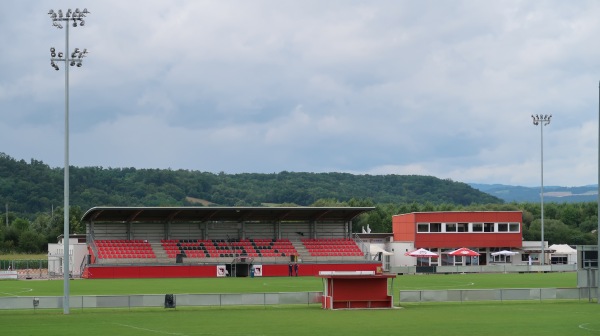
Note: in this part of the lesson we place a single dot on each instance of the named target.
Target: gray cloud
(387, 87)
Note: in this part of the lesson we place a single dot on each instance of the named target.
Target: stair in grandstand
(303, 254)
(161, 255)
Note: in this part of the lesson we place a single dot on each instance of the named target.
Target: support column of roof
(348, 233)
(168, 221)
(167, 230)
(128, 230)
(204, 230)
(89, 231)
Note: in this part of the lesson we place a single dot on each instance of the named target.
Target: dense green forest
(32, 195)
(29, 188)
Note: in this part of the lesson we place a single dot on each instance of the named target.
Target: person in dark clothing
(296, 268)
(290, 269)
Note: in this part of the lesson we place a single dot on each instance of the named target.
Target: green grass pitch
(277, 284)
(497, 318)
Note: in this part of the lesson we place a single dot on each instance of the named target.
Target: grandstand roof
(233, 214)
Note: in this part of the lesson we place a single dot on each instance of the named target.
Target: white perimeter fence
(498, 268)
(513, 294)
(295, 298)
(160, 300)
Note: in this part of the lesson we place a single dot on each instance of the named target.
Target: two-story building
(485, 232)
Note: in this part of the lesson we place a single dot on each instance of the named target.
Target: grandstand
(197, 241)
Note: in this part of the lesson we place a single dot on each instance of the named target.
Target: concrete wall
(210, 271)
(131, 301)
(513, 294)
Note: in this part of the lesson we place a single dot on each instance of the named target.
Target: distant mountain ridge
(509, 193)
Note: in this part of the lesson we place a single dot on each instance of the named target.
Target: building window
(502, 259)
(422, 227)
(559, 259)
(590, 259)
(468, 227)
(433, 261)
(447, 260)
(423, 261)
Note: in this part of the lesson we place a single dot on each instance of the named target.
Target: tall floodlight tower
(542, 120)
(74, 58)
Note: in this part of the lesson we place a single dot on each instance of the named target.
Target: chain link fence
(27, 269)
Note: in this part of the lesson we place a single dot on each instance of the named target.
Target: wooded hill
(32, 187)
(33, 193)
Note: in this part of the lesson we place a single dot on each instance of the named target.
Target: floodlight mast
(598, 228)
(542, 120)
(76, 59)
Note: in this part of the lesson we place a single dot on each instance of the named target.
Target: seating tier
(332, 247)
(215, 248)
(121, 249)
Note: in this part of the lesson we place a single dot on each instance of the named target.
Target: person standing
(296, 268)
(290, 269)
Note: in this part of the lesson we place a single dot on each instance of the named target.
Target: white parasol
(504, 252)
(422, 253)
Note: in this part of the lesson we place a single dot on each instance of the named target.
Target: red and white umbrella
(422, 253)
(463, 251)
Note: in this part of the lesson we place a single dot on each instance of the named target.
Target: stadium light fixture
(542, 120)
(76, 59)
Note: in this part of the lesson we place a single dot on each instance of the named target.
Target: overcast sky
(441, 88)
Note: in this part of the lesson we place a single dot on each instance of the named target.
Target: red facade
(210, 271)
(405, 229)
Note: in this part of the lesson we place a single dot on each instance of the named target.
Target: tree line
(33, 217)
(32, 187)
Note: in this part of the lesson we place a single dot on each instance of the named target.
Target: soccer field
(441, 319)
(278, 284)
(497, 318)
